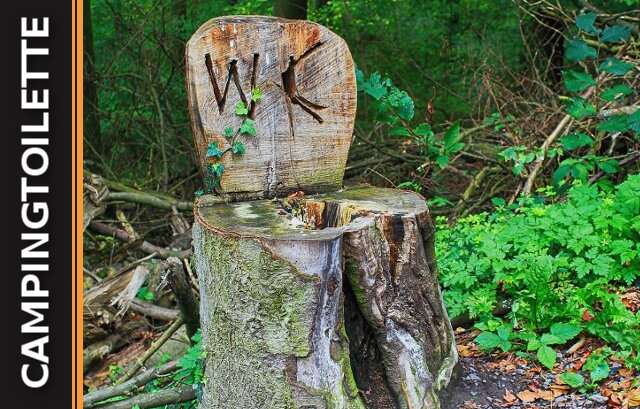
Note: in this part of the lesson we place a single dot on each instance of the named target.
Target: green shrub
(562, 262)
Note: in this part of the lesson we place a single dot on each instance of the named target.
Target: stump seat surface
(265, 219)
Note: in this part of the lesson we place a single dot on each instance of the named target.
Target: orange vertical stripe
(77, 209)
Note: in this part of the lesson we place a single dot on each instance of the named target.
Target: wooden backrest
(304, 120)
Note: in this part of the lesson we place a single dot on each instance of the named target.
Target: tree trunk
(295, 9)
(329, 301)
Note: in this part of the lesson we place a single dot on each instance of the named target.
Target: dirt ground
(481, 384)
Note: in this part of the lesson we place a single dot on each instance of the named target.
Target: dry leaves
(633, 398)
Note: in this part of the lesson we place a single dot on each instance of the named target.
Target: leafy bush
(560, 266)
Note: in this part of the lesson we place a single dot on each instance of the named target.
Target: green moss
(353, 275)
(255, 309)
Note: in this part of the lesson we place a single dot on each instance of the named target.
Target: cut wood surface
(327, 301)
(305, 119)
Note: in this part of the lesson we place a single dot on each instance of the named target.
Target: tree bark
(330, 301)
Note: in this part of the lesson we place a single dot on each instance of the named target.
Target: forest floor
(505, 380)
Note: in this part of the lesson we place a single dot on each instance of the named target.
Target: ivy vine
(215, 170)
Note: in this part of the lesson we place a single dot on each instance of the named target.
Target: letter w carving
(232, 73)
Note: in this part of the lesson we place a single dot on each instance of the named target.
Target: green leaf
(576, 81)
(238, 148)
(600, 372)
(575, 141)
(580, 172)
(580, 109)
(586, 21)
(504, 332)
(241, 109)
(615, 123)
(488, 340)
(452, 139)
(577, 50)
(546, 356)
(216, 169)
(614, 66)
(609, 166)
(572, 379)
(423, 129)
(213, 151)
(256, 94)
(442, 161)
(565, 332)
(374, 86)
(561, 173)
(403, 103)
(615, 33)
(550, 339)
(228, 132)
(248, 127)
(615, 92)
(534, 344)
(399, 131)
(145, 294)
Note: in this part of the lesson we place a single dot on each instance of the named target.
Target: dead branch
(91, 400)
(156, 399)
(100, 349)
(187, 303)
(123, 299)
(145, 246)
(153, 311)
(154, 347)
(149, 199)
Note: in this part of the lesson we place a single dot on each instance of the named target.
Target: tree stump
(328, 301)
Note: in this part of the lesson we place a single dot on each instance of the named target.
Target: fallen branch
(153, 311)
(101, 349)
(124, 298)
(145, 246)
(184, 295)
(91, 400)
(155, 399)
(148, 199)
(152, 350)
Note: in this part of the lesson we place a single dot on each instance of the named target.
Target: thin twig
(91, 399)
(152, 350)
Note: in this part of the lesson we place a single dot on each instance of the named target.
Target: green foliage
(145, 294)
(572, 379)
(395, 109)
(191, 364)
(552, 263)
(600, 77)
(247, 128)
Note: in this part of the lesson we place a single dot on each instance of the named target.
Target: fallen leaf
(633, 398)
(625, 372)
(527, 396)
(546, 395)
(509, 397)
(559, 390)
(586, 316)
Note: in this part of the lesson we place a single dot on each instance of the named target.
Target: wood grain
(304, 121)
